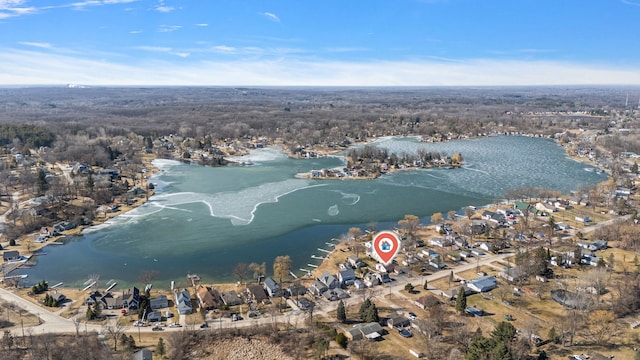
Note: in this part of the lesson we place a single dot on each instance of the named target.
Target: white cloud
(36, 44)
(81, 5)
(22, 67)
(271, 16)
(161, 7)
(11, 8)
(168, 28)
(153, 48)
(632, 3)
(224, 49)
(180, 54)
(136, 32)
(202, 25)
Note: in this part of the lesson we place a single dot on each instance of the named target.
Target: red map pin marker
(386, 245)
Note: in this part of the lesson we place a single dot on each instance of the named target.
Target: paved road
(54, 323)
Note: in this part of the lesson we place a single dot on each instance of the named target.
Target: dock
(56, 285)
(111, 286)
(89, 286)
(317, 257)
(314, 266)
(292, 274)
(325, 250)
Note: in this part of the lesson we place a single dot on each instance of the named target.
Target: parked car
(412, 316)
(157, 328)
(175, 325)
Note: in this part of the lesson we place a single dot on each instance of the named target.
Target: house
(131, 298)
(494, 217)
(57, 297)
(154, 316)
(512, 274)
(477, 252)
(304, 303)
(359, 284)
(427, 302)
(355, 262)
(478, 227)
(318, 288)
(208, 298)
(398, 321)
(109, 301)
(143, 354)
(486, 246)
(13, 255)
(335, 294)
(256, 293)
(183, 302)
(93, 297)
(593, 246)
(441, 242)
(159, 302)
(346, 277)
(483, 284)
(272, 287)
(545, 207)
(370, 331)
(465, 255)
(329, 280)
(371, 279)
(231, 298)
(296, 290)
(452, 293)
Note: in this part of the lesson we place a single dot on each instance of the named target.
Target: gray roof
(483, 284)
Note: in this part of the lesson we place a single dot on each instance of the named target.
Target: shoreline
(37, 248)
(152, 170)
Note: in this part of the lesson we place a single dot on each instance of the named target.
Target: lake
(204, 220)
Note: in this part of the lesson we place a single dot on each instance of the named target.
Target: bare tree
(241, 270)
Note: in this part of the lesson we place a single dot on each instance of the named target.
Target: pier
(325, 250)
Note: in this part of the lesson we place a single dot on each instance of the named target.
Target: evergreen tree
(97, 310)
(504, 332)
(461, 301)
(341, 313)
(409, 288)
(341, 339)
(160, 347)
(426, 285)
(363, 308)
(42, 182)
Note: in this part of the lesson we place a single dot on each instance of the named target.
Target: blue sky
(328, 42)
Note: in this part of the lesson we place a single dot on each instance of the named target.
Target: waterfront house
(272, 287)
(346, 277)
(183, 302)
(208, 298)
(483, 284)
(13, 255)
(108, 301)
(131, 298)
(231, 298)
(256, 293)
(159, 302)
(93, 297)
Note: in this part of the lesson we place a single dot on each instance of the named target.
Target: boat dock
(324, 250)
(314, 266)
